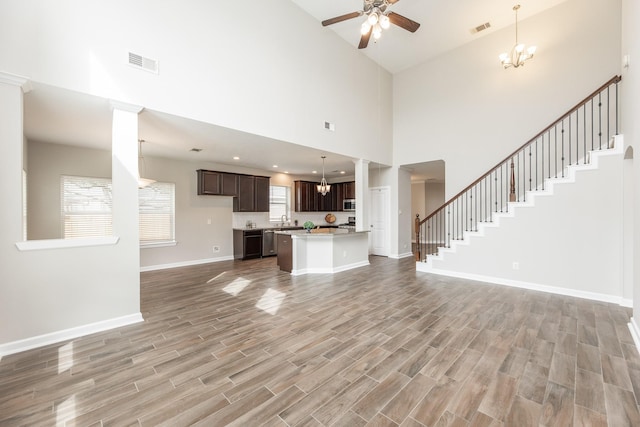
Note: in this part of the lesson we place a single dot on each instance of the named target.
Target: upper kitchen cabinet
(250, 193)
(217, 183)
(349, 190)
(307, 198)
(253, 194)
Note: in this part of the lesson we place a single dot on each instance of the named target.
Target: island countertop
(322, 232)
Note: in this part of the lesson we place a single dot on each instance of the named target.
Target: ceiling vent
(196, 150)
(143, 63)
(480, 28)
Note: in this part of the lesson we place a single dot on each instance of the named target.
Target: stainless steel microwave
(349, 205)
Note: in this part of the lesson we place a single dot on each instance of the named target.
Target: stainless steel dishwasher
(269, 243)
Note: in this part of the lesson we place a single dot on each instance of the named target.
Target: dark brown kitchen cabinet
(349, 190)
(246, 200)
(217, 183)
(262, 194)
(285, 252)
(250, 193)
(307, 198)
(209, 182)
(253, 194)
(229, 184)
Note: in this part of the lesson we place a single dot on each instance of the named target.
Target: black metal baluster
(600, 121)
(562, 147)
(584, 134)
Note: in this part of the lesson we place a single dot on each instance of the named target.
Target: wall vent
(330, 126)
(480, 28)
(143, 63)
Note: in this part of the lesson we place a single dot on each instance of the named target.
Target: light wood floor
(241, 343)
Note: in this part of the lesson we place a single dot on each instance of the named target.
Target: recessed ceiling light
(286, 171)
(236, 158)
(275, 166)
(342, 172)
(314, 171)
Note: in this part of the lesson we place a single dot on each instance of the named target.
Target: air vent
(329, 126)
(197, 150)
(480, 28)
(143, 63)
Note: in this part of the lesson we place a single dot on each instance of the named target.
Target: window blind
(157, 213)
(279, 202)
(86, 207)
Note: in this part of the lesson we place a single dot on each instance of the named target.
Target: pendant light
(323, 187)
(142, 182)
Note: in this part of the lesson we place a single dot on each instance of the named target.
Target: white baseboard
(329, 270)
(400, 256)
(635, 332)
(67, 334)
(421, 266)
(185, 263)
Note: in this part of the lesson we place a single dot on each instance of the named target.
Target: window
(279, 202)
(86, 209)
(157, 213)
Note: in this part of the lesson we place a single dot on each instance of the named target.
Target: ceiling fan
(378, 18)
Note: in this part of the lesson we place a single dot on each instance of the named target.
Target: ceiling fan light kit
(378, 18)
(519, 53)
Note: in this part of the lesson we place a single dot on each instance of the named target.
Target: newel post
(417, 231)
(512, 187)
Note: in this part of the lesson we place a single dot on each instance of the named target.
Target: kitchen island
(322, 251)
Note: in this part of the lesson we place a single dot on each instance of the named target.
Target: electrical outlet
(516, 265)
(216, 249)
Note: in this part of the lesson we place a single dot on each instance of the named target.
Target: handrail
(615, 79)
(565, 142)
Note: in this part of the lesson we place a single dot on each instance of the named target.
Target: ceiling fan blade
(341, 18)
(403, 22)
(364, 40)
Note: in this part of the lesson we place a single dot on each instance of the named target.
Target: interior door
(379, 217)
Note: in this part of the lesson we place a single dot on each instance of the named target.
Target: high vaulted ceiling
(444, 25)
(52, 114)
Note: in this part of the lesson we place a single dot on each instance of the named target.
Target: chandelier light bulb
(384, 22)
(365, 28)
(373, 19)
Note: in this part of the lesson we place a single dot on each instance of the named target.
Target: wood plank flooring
(241, 343)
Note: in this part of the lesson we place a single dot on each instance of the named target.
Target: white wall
(570, 241)
(48, 293)
(631, 128)
(46, 163)
(463, 108)
(262, 67)
(418, 199)
(434, 196)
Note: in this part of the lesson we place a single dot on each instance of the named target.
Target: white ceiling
(444, 25)
(60, 116)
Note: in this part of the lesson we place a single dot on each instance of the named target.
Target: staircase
(571, 243)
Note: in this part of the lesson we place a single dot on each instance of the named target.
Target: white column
(124, 152)
(12, 159)
(362, 194)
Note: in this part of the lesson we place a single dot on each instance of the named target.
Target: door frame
(387, 222)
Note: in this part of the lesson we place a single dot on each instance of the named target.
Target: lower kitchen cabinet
(285, 252)
(247, 244)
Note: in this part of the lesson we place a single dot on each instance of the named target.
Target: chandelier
(519, 54)
(323, 187)
(377, 18)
